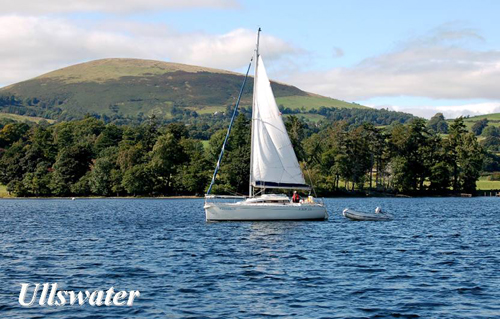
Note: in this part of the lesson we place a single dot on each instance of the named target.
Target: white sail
(274, 164)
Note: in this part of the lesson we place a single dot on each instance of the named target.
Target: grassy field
(314, 102)
(484, 184)
(21, 118)
(207, 109)
(3, 191)
(206, 144)
(312, 117)
(494, 120)
(469, 124)
(113, 69)
(492, 117)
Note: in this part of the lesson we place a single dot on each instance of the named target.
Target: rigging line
(272, 125)
(233, 192)
(217, 167)
(277, 129)
(310, 180)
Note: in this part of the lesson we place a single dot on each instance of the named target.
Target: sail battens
(264, 184)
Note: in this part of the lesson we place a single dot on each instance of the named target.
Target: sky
(420, 57)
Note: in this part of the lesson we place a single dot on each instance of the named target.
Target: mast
(250, 192)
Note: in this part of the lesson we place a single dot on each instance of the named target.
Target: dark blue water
(440, 257)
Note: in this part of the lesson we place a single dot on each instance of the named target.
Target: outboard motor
(378, 210)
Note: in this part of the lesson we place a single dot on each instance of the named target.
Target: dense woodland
(90, 157)
(202, 125)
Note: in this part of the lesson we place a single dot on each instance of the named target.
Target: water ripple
(440, 257)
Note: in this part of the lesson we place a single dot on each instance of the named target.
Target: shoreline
(103, 197)
(201, 197)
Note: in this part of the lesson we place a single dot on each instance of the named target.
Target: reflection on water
(438, 257)
(272, 231)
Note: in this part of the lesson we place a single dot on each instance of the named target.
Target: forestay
(274, 164)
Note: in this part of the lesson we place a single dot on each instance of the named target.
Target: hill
(22, 118)
(133, 88)
(493, 119)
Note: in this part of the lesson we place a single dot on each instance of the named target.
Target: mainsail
(273, 164)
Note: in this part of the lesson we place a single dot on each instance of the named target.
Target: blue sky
(415, 56)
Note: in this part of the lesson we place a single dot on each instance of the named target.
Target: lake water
(440, 257)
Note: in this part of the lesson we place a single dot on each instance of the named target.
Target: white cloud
(107, 6)
(35, 45)
(449, 111)
(438, 66)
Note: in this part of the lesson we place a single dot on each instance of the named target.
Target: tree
(464, 155)
(313, 148)
(178, 130)
(100, 176)
(130, 155)
(37, 182)
(334, 161)
(109, 137)
(479, 126)
(440, 177)
(438, 124)
(10, 170)
(491, 143)
(491, 162)
(470, 160)
(166, 157)
(43, 139)
(12, 132)
(215, 145)
(90, 157)
(359, 155)
(117, 182)
(454, 139)
(71, 164)
(295, 129)
(235, 167)
(82, 186)
(491, 131)
(193, 176)
(377, 147)
(412, 147)
(63, 135)
(137, 181)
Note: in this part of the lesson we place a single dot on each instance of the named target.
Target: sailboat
(273, 165)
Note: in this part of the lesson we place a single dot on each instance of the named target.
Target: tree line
(89, 157)
(409, 158)
(202, 125)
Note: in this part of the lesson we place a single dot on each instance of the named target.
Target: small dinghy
(378, 215)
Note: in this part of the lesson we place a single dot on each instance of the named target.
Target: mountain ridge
(133, 88)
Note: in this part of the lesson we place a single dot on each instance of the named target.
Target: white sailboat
(273, 165)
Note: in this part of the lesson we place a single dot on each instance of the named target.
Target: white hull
(243, 212)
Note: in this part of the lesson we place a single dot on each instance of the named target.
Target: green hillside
(22, 118)
(491, 117)
(132, 88)
(312, 101)
(493, 120)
